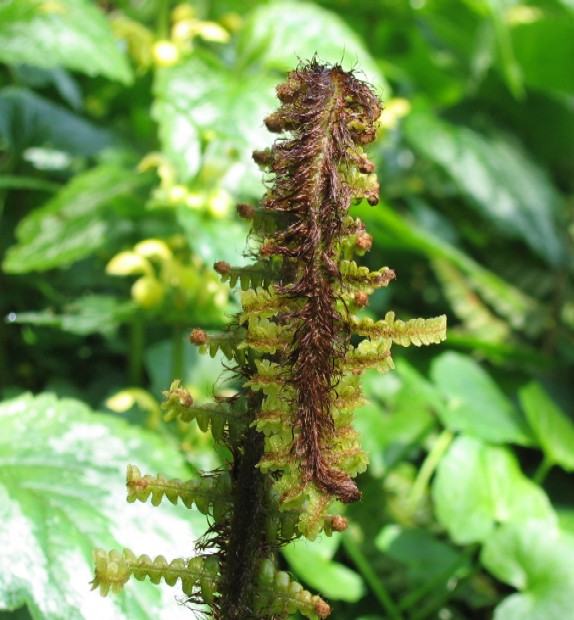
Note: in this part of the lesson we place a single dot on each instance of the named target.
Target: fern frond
(278, 595)
(370, 354)
(262, 273)
(265, 336)
(211, 494)
(228, 342)
(113, 570)
(416, 331)
(264, 303)
(215, 416)
(360, 278)
(269, 378)
(475, 315)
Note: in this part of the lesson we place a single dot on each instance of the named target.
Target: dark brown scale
(328, 113)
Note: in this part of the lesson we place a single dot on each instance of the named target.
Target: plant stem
(177, 351)
(243, 551)
(375, 584)
(428, 467)
(542, 471)
(162, 20)
(137, 345)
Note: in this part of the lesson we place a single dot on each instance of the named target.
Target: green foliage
(466, 509)
(60, 464)
(77, 222)
(478, 486)
(64, 33)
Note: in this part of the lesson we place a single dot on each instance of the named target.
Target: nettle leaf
(79, 220)
(66, 33)
(553, 429)
(217, 241)
(504, 184)
(210, 114)
(474, 404)
(29, 120)
(478, 486)
(536, 560)
(62, 493)
(313, 563)
(278, 36)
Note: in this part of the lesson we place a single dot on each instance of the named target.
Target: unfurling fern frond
(297, 349)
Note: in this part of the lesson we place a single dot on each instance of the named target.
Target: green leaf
(394, 231)
(424, 556)
(536, 560)
(478, 486)
(79, 220)
(9, 181)
(511, 68)
(279, 37)
(541, 46)
(67, 33)
(212, 115)
(473, 402)
(497, 176)
(62, 493)
(398, 416)
(313, 564)
(27, 119)
(219, 239)
(87, 315)
(552, 428)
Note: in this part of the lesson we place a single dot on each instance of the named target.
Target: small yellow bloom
(165, 53)
(128, 263)
(177, 194)
(153, 248)
(210, 31)
(148, 292)
(182, 12)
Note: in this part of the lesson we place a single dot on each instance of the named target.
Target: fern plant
(299, 350)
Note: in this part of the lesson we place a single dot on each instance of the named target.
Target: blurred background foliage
(126, 128)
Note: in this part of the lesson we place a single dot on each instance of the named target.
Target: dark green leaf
(394, 231)
(68, 33)
(473, 402)
(552, 428)
(478, 486)
(500, 180)
(536, 559)
(424, 556)
(389, 433)
(87, 315)
(76, 222)
(27, 183)
(542, 47)
(62, 493)
(27, 120)
(40, 77)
